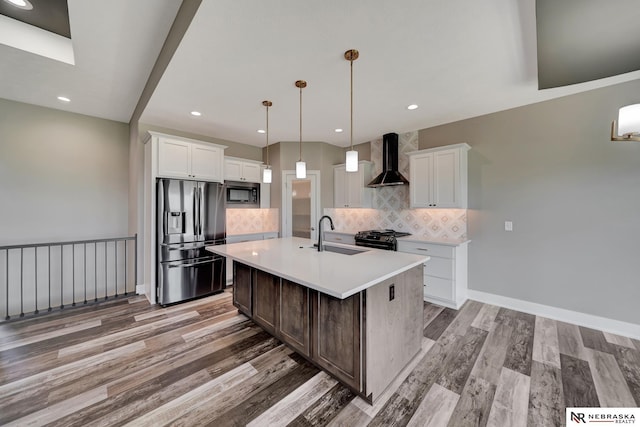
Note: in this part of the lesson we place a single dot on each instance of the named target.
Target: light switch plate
(508, 226)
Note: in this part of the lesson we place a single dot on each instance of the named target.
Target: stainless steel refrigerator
(190, 216)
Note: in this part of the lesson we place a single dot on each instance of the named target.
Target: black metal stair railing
(40, 276)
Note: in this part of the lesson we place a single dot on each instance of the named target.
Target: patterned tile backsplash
(249, 221)
(391, 205)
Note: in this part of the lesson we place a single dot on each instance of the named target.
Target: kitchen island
(356, 314)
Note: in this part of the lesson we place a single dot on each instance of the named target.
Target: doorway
(300, 204)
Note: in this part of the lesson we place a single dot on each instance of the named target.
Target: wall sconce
(627, 127)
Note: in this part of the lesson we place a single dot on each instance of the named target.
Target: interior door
(301, 204)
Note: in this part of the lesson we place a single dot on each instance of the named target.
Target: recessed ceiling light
(63, 99)
(22, 4)
(262, 131)
(412, 107)
(196, 113)
(338, 130)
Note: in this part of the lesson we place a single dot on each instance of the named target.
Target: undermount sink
(339, 249)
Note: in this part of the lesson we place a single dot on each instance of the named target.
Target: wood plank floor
(125, 362)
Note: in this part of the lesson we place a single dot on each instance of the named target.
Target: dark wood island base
(364, 340)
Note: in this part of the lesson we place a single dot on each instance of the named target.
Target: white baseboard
(141, 289)
(581, 319)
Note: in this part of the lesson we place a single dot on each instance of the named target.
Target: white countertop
(335, 274)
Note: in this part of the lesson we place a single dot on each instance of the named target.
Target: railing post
(135, 266)
(21, 282)
(61, 277)
(115, 245)
(95, 270)
(35, 268)
(49, 282)
(126, 260)
(84, 270)
(105, 271)
(7, 317)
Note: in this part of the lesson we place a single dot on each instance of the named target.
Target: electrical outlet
(392, 292)
(508, 226)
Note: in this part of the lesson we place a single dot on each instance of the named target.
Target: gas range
(381, 239)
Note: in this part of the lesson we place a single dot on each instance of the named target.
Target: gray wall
(63, 176)
(573, 197)
(318, 156)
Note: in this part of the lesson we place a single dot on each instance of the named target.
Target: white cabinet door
(446, 179)
(182, 159)
(206, 162)
(232, 170)
(438, 177)
(349, 188)
(421, 180)
(445, 274)
(251, 172)
(238, 170)
(174, 158)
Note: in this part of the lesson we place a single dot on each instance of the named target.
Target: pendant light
(352, 155)
(266, 172)
(301, 167)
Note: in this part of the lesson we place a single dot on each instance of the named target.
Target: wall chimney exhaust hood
(390, 174)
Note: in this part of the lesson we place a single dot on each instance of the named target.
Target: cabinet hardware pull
(422, 249)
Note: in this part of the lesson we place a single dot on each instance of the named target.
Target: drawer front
(439, 267)
(419, 248)
(438, 288)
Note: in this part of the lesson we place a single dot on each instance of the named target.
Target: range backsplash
(391, 205)
(250, 221)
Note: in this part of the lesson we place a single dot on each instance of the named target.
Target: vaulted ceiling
(454, 59)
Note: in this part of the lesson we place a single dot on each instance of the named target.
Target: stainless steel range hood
(390, 174)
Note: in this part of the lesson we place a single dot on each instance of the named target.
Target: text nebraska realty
(612, 418)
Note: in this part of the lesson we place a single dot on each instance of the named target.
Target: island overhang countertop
(335, 274)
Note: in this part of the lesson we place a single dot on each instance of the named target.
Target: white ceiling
(456, 59)
(115, 45)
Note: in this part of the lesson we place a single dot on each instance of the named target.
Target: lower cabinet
(337, 337)
(445, 274)
(294, 317)
(266, 300)
(365, 350)
(242, 290)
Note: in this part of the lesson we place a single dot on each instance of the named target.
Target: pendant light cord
(267, 134)
(351, 137)
(300, 123)
(267, 104)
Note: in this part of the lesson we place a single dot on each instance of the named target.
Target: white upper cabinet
(350, 188)
(438, 177)
(178, 158)
(242, 170)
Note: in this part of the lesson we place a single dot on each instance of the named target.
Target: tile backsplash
(249, 221)
(429, 224)
(391, 205)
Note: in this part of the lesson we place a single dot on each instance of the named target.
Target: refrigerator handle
(197, 213)
(194, 211)
(200, 208)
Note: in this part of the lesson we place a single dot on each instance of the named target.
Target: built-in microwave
(242, 194)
